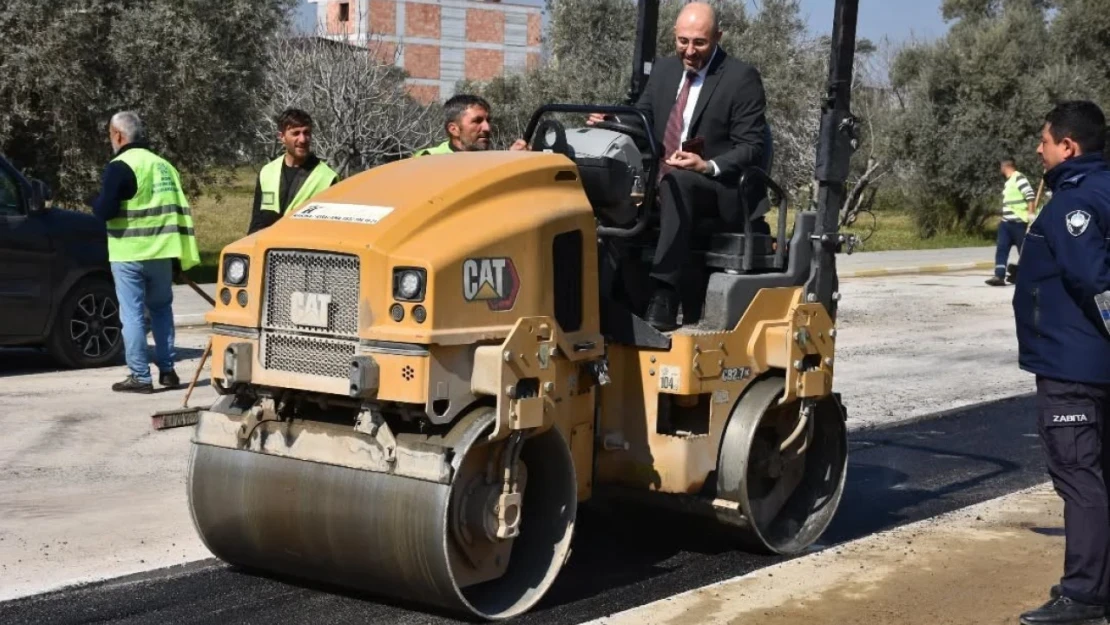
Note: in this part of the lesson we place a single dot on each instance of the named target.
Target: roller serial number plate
(309, 309)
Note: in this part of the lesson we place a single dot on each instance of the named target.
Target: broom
(185, 416)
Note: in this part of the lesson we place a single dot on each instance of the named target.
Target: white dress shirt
(692, 102)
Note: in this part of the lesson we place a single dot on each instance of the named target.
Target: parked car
(56, 288)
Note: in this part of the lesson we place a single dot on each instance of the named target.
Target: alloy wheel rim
(94, 325)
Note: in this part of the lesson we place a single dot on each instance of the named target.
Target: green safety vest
(156, 223)
(269, 179)
(1014, 205)
(443, 148)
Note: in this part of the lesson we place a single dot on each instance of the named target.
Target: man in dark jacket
(1065, 265)
(707, 111)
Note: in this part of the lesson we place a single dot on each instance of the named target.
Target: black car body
(56, 288)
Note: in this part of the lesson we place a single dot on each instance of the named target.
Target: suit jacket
(729, 113)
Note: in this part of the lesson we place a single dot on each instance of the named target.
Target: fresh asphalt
(620, 559)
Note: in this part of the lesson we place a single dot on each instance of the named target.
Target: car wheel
(87, 328)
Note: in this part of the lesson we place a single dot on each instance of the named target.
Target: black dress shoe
(662, 312)
(1062, 610)
(169, 379)
(131, 385)
(996, 281)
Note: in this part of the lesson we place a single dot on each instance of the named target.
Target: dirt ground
(88, 491)
(978, 566)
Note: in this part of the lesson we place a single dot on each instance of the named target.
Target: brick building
(439, 42)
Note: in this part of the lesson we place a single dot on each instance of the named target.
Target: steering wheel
(559, 145)
(635, 132)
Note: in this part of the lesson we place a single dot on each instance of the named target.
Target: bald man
(704, 95)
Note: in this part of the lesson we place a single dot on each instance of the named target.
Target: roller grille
(337, 275)
(308, 355)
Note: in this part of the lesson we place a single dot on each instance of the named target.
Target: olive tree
(191, 68)
(362, 113)
(975, 96)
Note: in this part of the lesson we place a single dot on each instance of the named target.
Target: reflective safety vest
(320, 178)
(1015, 205)
(443, 148)
(156, 223)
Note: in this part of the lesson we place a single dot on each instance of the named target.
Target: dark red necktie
(673, 134)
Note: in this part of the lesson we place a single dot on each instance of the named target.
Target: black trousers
(686, 196)
(1071, 422)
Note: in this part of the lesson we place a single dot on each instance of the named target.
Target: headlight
(235, 270)
(408, 284)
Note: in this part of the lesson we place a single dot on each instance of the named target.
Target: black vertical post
(836, 143)
(647, 28)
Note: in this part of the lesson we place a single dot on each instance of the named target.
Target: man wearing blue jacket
(1062, 339)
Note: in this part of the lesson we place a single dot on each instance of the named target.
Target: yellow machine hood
(479, 225)
(387, 208)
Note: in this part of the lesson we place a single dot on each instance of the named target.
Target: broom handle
(193, 285)
(200, 291)
(196, 375)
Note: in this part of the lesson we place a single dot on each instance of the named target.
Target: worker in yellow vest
(291, 179)
(150, 230)
(1018, 198)
(468, 124)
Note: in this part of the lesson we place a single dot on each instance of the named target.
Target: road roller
(424, 370)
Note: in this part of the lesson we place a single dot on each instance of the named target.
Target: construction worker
(466, 120)
(291, 179)
(1018, 201)
(150, 235)
(1064, 342)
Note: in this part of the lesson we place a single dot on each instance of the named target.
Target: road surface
(89, 492)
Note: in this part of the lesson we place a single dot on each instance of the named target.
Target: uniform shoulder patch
(1078, 222)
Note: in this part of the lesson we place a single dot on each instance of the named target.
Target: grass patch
(221, 216)
(895, 230)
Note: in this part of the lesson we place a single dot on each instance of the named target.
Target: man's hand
(595, 118)
(688, 161)
(519, 145)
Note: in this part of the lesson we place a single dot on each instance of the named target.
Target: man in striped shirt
(1018, 198)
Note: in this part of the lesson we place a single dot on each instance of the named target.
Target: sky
(918, 19)
(913, 19)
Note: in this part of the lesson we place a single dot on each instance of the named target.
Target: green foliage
(190, 68)
(981, 93)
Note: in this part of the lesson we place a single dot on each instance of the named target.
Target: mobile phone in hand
(694, 146)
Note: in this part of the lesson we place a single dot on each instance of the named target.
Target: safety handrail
(780, 249)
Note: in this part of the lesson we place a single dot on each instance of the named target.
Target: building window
(344, 12)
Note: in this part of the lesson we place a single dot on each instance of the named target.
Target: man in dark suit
(702, 96)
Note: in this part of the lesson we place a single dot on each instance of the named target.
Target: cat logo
(492, 280)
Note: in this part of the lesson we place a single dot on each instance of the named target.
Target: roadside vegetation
(208, 78)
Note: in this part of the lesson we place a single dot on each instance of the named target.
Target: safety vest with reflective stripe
(156, 222)
(1016, 196)
(443, 148)
(321, 177)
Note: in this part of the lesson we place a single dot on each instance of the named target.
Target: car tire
(87, 330)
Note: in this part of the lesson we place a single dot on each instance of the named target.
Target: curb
(922, 269)
(189, 321)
